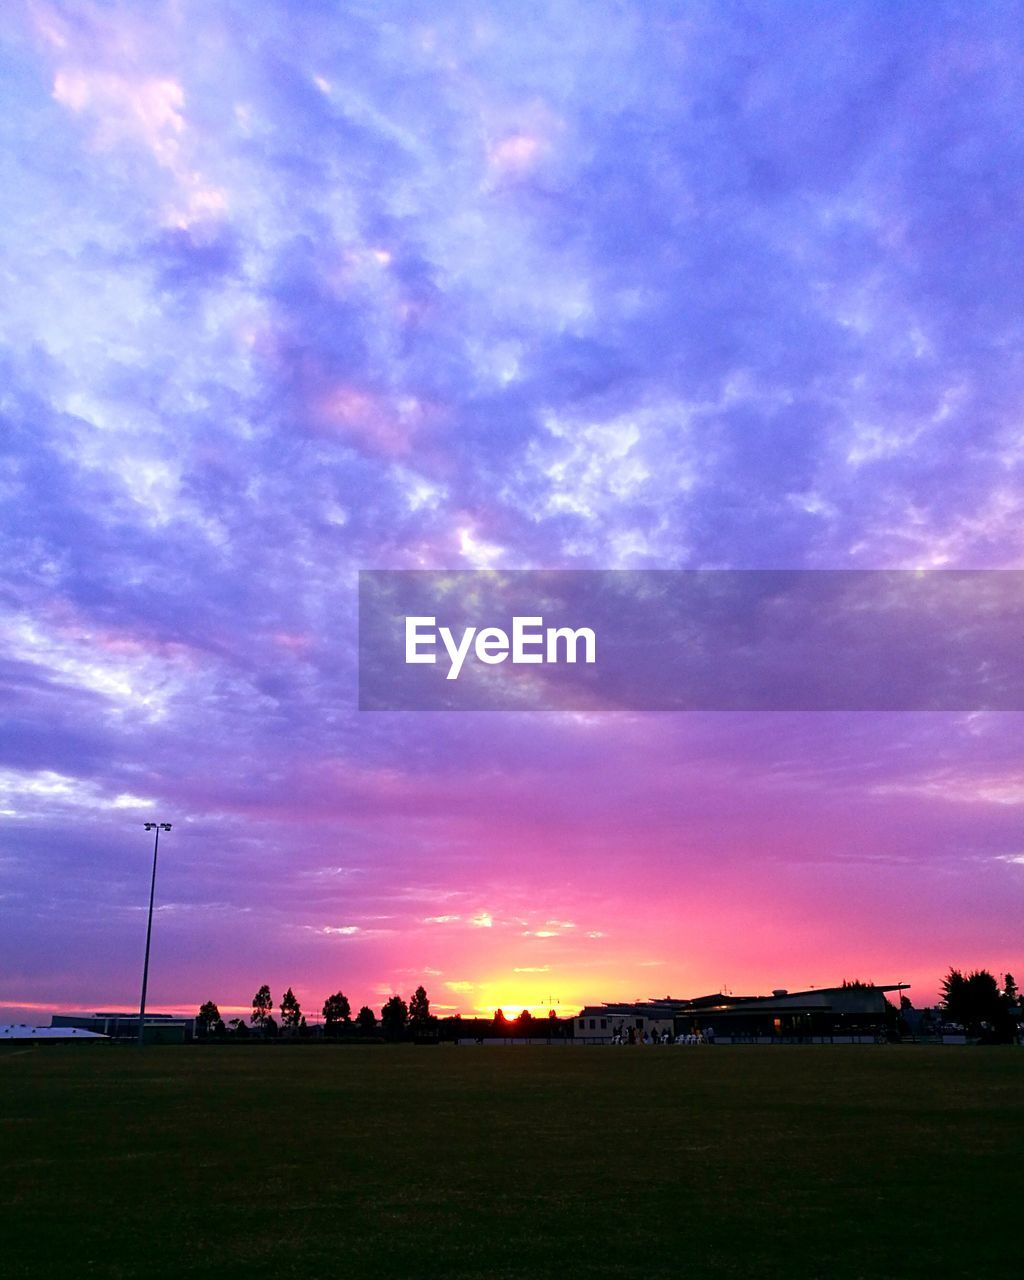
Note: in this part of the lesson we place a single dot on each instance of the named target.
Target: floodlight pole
(156, 827)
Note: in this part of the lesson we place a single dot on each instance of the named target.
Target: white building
(21, 1031)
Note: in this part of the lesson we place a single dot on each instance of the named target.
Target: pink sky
(291, 295)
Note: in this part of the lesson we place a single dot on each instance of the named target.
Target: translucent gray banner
(679, 640)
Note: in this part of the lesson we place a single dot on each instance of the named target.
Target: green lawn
(863, 1161)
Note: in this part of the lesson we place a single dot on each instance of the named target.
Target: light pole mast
(156, 827)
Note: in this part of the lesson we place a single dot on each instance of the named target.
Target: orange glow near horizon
(481, 1001)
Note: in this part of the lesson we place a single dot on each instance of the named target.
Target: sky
(294, 290)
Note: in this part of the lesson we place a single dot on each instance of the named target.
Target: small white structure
(21, 1031)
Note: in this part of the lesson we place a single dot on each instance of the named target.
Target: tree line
(976, 1002)
(398, 1019)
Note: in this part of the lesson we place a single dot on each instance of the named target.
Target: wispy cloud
(437, 294)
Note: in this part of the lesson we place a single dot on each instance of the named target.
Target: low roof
(788, 1001)
(781, 994)
(134, 1013)
(22, 1031)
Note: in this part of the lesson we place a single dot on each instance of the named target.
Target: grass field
(860, 1161)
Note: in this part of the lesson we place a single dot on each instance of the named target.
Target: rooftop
(22, 1031)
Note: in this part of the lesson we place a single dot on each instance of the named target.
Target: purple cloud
(292, 292)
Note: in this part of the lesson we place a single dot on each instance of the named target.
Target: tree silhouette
(337, 1012)
(291, 1011)
(975, 1002)
(208, 1019)
(393, 1018)
(366, 1021)
(261, 1007)
(419, 1010)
